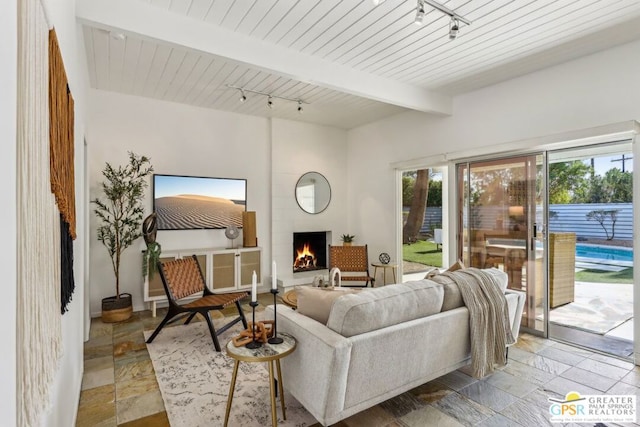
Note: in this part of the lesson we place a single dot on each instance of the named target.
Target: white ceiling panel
(351, 61)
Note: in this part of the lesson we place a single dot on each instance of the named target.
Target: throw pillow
(458, 265)
(452, 296)
(316, 303)
(500, 276)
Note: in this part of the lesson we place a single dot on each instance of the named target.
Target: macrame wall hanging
(61, 163)
(38, 319)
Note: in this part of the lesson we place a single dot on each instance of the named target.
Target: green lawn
(423, 253)
(426, 253)
(598, 276)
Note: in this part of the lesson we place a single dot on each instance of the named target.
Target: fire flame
(306, 258)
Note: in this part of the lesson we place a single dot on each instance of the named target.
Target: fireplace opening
(309, 251)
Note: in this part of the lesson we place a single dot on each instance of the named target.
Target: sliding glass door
(501, 225)
(591, 247)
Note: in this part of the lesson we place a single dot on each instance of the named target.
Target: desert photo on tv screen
(189, 202)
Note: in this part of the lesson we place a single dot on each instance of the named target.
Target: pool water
(604, 252)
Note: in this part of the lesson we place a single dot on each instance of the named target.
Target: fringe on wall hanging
(66, 264)
(38, 320)
(62, 163)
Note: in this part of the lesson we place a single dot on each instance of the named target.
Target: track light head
(270, 102)
(300, 107)
(243, 97)
(116, 35)
(419, 13)
(454, 28)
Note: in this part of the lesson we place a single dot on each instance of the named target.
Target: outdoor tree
(595, 191)
(614, 187)
(600, 216)
(619, 186)
(418, 207)
(434, 195)
(407, 189)
(567, 181)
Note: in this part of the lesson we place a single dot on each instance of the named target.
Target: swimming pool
(613, 253)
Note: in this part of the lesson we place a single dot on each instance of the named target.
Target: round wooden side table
(269, 353)
(290, 298)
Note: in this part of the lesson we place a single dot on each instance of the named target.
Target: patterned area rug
(194, 381)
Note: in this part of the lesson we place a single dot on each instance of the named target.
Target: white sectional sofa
(378, 344)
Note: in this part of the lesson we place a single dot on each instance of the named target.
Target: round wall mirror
(313, 192)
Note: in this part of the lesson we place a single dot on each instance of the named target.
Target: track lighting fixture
(454, 27)
(270, 97)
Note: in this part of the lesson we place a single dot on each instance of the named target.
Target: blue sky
(166, 185)
(603, 164)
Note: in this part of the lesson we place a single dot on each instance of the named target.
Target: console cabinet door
(249, 262)
(224, 270)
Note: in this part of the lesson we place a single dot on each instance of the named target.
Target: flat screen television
(195, 202)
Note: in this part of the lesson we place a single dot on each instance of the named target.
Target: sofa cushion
(502, 277)
(316, 302)
(378, 308)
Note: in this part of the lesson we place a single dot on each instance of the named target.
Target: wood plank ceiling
(346, 41)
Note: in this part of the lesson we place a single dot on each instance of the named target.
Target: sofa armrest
(316, 372)
(515, 313)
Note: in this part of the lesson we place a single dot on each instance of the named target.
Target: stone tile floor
(119, 387)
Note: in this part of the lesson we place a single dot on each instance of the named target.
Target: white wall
(299, 148)
(180, 140)
(68, 380)
(8, 224)
(595, 90)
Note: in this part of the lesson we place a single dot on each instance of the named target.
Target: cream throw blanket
(488, 318)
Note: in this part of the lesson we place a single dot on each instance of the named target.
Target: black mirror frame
(328, 186)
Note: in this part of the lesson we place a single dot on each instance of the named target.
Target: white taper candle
(254, 287)
(274, 280)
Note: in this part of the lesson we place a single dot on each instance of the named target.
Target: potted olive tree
(120, 213)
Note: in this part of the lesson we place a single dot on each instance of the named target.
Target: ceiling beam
(140, 19)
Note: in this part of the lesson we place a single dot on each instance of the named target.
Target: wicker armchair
(183, 278)
(353, 262)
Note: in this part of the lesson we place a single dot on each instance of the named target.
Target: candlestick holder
(275, 339)
(253, 344)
